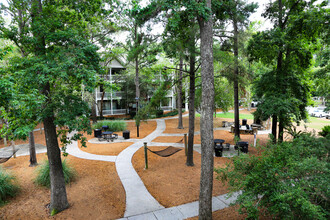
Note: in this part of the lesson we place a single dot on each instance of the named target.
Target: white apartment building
(114, 103)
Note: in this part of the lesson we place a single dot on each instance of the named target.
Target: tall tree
(206, 182)
(180, 36)
(288, 46)
(59, 61)
(237, 12)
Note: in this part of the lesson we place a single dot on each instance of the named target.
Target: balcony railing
(167, 108)
(112, 77)
(107, 95)
(114, 112)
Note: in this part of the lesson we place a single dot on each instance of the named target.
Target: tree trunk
(59, 200)
(236, 98)
(101, 110)
(137, 79)
(274, 128)
(180, 125)
(280, 130)
(207, 75)
(191, 132)
(94, 117)
(13, 146)
(32, 148)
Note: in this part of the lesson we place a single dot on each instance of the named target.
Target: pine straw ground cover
(98, 193)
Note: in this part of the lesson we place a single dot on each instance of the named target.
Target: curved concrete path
(138, 199)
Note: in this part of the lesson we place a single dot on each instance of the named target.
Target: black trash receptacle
(126, 134)
(97, 132)
(243, 146)
(244, 122)
(218, 150)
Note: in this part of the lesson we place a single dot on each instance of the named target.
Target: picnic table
(109, 135)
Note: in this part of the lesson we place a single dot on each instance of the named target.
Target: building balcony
(107, 95)
(114, 112)
(112, 78)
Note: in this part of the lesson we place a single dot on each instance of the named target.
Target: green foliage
(43, 177)
(325, 131)
(8, 187)
(288, 181)
(56, 63)
(154, 104)
(287, 48)
(117, 125)
(53, 212)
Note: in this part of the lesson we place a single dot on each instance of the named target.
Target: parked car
(319, 112)
(254, 104)
(327, 115)
(310, 110)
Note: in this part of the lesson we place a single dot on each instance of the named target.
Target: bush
(118, 125)
(43, 177)
(159, 112)
(288, 181)
(325, 131)
(8, 188)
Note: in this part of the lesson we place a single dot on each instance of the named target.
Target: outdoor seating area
(105, 135)
(246, 128)
(220, 147)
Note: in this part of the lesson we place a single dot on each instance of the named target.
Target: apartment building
(114, 102)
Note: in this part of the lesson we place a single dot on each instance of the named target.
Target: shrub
(43, 177)
(117, 125)
(159, 112)
(325, 131)
(288, 181)
(8, 188)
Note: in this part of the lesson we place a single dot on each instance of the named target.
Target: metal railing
(114, 112)
(167, 108)
(107, 95)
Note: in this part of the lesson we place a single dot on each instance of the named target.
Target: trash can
(244, 122)
(243, 146)
(97, 132)
(218, 150)
(126, 134)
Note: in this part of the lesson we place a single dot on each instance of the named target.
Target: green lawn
(312, 122)
(231, 115)
(317, 123)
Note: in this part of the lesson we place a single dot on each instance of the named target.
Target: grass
(8, 188)
(43, 177)
(117, 125)
(231, 115)
(317, 123)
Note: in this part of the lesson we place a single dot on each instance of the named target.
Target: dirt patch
(172, 126)
(170, 181)
(145, 129)
(112, 149)
(97, 192)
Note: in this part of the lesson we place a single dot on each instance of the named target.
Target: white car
(310, 110)
(319, 112)
(254, 104)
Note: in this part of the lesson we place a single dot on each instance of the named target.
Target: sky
(254, 17)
